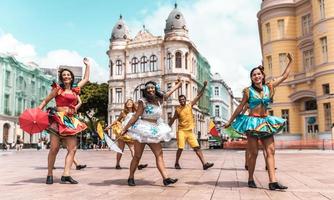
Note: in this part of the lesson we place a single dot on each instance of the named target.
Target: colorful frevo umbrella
(111, 144)
(34, 120)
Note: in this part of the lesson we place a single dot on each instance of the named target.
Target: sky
(63, 32)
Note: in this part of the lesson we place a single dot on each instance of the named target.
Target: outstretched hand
(205, 83)
(86, 61)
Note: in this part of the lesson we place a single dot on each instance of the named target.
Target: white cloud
(225, 32)
(26, 53)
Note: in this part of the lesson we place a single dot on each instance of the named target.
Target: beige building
(304, 28)
(136, 60)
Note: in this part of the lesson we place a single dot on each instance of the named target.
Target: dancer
(258, 125)
(122, 140)
(184, 113)
(150, 129)
(63, 123)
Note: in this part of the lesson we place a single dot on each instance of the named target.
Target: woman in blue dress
(147, 127)
(258, 125)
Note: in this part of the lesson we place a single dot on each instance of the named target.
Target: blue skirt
(260, 127)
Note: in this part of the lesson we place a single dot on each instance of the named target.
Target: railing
(293, 144)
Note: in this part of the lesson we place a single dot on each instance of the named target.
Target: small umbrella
(111, 144)
(34, 120)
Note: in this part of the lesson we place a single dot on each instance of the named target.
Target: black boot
(65, 179)
(277, 186)
(118, 167)
(177, 166)
(251, 184)
(131, 182)
(142, 166)
(169, 181)
(49, 180)
(207, 165)
(78, 167)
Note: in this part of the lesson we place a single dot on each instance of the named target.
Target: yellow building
(304, 28)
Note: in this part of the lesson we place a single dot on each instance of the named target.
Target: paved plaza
(309, 175)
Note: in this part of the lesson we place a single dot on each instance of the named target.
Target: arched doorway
(6, 128)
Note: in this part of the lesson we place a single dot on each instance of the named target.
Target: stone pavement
(309, 175)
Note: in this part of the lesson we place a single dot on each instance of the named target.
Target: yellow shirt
(185, 116)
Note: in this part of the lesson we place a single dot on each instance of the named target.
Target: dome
(175, 21)
(120, 31)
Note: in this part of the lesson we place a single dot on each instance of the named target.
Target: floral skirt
(148, 132)
(63, 124)
(260, 127)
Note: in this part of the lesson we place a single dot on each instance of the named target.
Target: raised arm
(119, 119)
(171, 121)
(134, 117)
(237, 111)
(176, 86)
(199, 95)
(285, 74)
(87, 72)
(52, 95)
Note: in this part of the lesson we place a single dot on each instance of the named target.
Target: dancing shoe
(177, 166)
(131, 182)
(207, 165)
(251, 184)
(118, 167)
(65, 179)
(277, 186)
(142, 166)
(49, 180)
(78, 167)
(169, 181)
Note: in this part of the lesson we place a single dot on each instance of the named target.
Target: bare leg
(139, 149)
(71, 145)
(269, 147)
(54, 148)
(178, 155)
(75, 161)
(157, 151)
(121, 145)
(246, 159)
(199, 153)
(252, 155)
(131, 148)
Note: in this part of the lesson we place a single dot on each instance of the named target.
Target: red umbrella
(34, 120)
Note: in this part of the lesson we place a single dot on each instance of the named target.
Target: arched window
(111, 66)
(178, 60)
(134, 65)
(153, 63)
(143, 64)
(169, 61)
(186, 61)
(118, 67)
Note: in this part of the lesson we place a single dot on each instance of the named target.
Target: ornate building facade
(304, 28)
(134, 61)
(21, 86)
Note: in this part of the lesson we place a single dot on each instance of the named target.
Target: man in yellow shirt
(184, 114)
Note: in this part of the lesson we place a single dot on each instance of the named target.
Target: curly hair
(126, 109)
(158, 92)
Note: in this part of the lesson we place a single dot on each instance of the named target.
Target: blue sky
(46, 30)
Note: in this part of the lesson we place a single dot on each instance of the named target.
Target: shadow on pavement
(38, 180)
(122, 182)
(227, 184)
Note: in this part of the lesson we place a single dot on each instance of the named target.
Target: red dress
(66, 123)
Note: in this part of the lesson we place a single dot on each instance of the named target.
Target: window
(270, 65)
(311, 105)
(169, 116)
(187, 85)
(186, 61)
(32, 104)
(153, 63)
(111, 96)
(169, 61)
(111, 65)
(136, 94)
(216, 91)
(143, 64)
(325, 88)
(324, 49)
(6, 103)
(169, 86)
(268, 32)
(33, 87)
(285, 115)
(217, 111)
(322, 9)
(118, 67)
(134, 65)
(328, 116)
(306, 24)
(119, 98)
(178, 60)
(282, 60)
(19, 106)
(280, 24)
(7, 78)
(308, 59)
